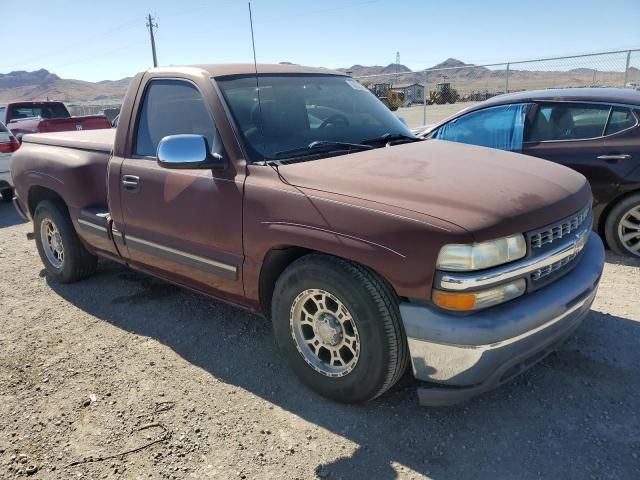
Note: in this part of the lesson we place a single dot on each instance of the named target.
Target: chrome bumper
(470, 354)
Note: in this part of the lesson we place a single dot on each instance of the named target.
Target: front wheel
(339, 328)
(63, 255)
(622, 228)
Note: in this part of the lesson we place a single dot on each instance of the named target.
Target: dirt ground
(193, 388)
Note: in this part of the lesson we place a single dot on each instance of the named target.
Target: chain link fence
(427, 96)
(79, 110)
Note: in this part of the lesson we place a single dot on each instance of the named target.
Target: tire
(628, 212)
(76, 262)
(370, 304)
(7, 195)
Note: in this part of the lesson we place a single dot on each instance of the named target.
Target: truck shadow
(8, 215)
(573, 416)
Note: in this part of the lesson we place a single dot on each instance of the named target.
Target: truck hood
(489, 193)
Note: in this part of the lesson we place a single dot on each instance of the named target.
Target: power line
(87, 41)
(100, 55)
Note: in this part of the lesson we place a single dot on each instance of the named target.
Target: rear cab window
(46, 110)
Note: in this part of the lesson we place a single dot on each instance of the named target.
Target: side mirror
(188, 151)
(19, 137)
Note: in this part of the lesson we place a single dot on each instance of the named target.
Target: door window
(568, 121)
(500, 127)
(621, 118)
(172, 107)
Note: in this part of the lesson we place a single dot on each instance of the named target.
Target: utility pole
(151, 25)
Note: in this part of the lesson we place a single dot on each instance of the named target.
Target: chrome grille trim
(465, 281)
(560, 229)
(554, 267)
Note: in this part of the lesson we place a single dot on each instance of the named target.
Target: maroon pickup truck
(296, 194)
(42, 117)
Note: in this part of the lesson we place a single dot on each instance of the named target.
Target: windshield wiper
(390, 137)
(323, 145)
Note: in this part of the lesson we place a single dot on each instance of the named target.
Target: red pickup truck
(300, 196)
(41, 117)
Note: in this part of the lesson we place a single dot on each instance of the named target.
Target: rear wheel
(622, 228)
(339, 328)
(63, 255)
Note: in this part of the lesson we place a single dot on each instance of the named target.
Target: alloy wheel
(324, 332)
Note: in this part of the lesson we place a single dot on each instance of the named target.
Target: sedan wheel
(622, 226)
(629, 230)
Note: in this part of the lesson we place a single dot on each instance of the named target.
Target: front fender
(401, 246)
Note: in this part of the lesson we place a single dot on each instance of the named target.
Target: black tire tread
(82, 263)
(611, 223)
(386, 301)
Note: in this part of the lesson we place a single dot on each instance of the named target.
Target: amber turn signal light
(454, 301)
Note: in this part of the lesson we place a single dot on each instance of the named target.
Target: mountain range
(42, 84)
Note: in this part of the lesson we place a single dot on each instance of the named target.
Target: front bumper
(463, 356)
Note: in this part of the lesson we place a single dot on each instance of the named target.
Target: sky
(107, 39)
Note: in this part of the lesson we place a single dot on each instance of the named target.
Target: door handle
(615, 156)
(130, 183)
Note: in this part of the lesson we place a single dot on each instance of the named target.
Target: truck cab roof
(226, 69)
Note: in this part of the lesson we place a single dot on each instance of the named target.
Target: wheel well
(605, 213)
(275, 262)
(38, 194)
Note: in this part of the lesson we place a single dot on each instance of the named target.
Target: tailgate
(93, 122)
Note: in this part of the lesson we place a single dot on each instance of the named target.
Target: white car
(8, 145)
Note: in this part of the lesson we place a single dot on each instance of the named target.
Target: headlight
(477, 256)
(482, 299)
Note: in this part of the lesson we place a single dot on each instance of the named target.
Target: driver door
(184, 225)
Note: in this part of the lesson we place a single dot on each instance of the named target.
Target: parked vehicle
(313, 204)
(8, 145)
(40, 117)
(592, 130)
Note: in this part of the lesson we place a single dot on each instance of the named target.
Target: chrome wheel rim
(629, 230)
(52, 243)
(324, 332)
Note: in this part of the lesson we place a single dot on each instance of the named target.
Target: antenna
(255, 66)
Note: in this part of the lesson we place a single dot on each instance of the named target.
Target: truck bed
(95, 140)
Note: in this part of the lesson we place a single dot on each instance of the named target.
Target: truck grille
(547, 235)
(545, 240)
(543, 272)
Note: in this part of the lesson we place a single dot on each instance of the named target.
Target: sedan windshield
(295, 111)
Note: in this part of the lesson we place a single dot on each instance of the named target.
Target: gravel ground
(192, 388)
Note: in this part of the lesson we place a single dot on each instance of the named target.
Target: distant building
(411, 92)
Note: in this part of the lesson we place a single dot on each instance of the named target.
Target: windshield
(297, 110)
